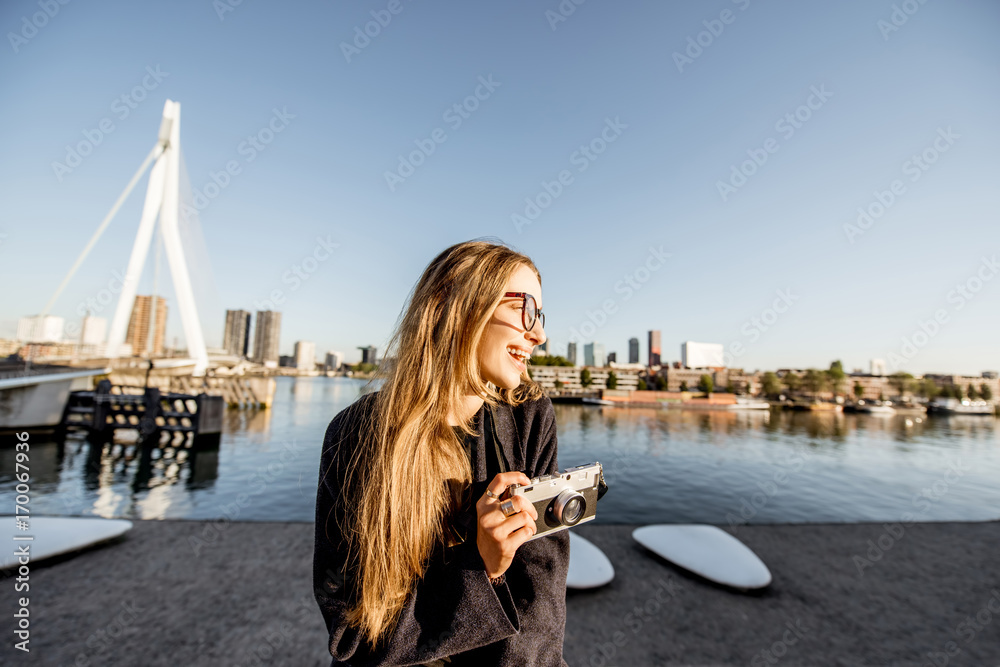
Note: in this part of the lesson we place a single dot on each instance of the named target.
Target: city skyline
(838, 204)
(239, 324)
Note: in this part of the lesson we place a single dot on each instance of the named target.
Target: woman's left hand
(498, 536)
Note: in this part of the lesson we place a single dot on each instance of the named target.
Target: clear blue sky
(886, 95)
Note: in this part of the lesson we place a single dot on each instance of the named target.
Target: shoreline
(197, 592)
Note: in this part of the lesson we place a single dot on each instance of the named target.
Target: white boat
(954, 406)
(744, 403)
(37, 399)
(876, 407)
(588, 400)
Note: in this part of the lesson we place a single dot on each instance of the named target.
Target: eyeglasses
(529, 310)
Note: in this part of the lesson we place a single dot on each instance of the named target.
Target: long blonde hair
(399, 491)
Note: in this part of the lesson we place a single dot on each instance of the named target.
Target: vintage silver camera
(565, 500)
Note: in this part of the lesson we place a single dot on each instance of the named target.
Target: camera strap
(489, 431)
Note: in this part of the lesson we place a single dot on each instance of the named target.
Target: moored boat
(954, 406)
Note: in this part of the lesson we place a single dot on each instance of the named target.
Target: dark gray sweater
(454, 610)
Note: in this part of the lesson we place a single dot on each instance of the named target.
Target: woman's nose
(537, 334)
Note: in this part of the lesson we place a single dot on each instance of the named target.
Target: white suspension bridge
(40, 398)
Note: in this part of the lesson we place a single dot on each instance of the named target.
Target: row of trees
(815, 381)
(586, 379)
(957, 391)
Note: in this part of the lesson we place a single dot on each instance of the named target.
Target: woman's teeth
(520, 355)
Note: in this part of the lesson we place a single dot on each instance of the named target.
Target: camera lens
(573, 511)
(569, 507)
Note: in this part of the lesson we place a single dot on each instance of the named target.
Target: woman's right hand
(498, 536)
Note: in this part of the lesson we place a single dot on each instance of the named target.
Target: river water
(662, 466)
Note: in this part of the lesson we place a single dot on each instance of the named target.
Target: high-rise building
(236, 338)
(267, 338)
(368, 354)
(593, 355)
(633, 350)
(40, 329)
(93, 331)
(305, 355)
(702, 355)
(654, 348)
(144, 318)
(612, 357)
(333, 361)
(571, 353)
(542, 350)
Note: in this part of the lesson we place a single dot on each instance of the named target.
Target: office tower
(633, 350)
(305, 355)
(236, 338)
(612, 357)
(654, 348)
(571, 353)
(368, 354)
(40, 329)
(541, 350)
(267, 337)
(333, 361)
(702, 355)
(144, 317)
(93, 331)
(593, 355)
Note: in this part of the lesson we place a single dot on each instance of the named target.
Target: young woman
(417, 558)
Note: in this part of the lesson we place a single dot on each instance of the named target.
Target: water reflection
(663, 465)
(256, 422)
